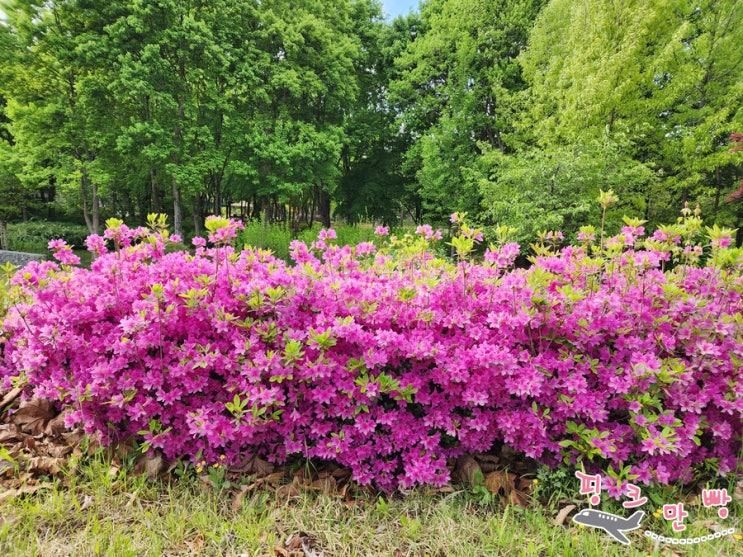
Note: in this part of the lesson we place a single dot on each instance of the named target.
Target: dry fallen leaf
(73, 438)
(22, 490)
(467, 470)
(563, 514)
(299, 545)
(32, 415)
(713, 525)
(9, 433)
(288, 491)
(444, 489)
(237, 500)
(9, 397)
(515, 497)
(87, 502)
(303, 475)
(340, 473)
(254, 465)
(326, 486)
(500, 483)
(150, 464)
(526, 485)
(45, 465)
(55, 426)
(274, 479)
(58, 451)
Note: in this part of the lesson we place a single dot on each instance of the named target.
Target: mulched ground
(35, 446)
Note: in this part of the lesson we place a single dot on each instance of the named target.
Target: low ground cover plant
(621, 353)
(34, 235)
(277, 237)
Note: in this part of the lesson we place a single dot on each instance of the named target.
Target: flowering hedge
(622, 353)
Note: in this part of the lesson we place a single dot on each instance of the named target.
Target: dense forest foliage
(515, 111)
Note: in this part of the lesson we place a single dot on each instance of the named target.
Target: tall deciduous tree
(373, 185)
(458, 90)
(662, 78)
(53, 96)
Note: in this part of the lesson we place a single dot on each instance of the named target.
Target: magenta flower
(388, 364)
(326, 234)
(722, 242)
(503, 257)
(63, 253)
(428, 232)
(96, 244)
(584, 236)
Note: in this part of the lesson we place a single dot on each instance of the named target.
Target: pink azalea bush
(389, 360)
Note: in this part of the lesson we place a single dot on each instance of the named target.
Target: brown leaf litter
(35, 446)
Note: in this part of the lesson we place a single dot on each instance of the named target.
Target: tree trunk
(154, 194)
(131, 214)
(96, 210)
(266, 211)
(718, 191)
(178, 135)
(198, 218)
(84, 197)
(177, 211)
(311, 214)
(255, 208)
(323, 206)
(3, 234)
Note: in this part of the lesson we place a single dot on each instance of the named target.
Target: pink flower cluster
(390, 364)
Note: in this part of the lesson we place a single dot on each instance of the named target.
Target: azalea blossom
(390, 363)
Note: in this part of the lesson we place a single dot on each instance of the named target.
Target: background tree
(660, 80)
(294, 111)
(53, 101)
(458, 92)
(373, 185)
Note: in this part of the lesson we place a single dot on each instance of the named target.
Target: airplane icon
(612, 524)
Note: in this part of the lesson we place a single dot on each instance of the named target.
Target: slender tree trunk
(131, 215)
(256, 214)
(177, 210)
(178, 135)
(266, 211)
(84, 197)
(647, 205)
(311, 215)
(323, 205)
(196, 223)
(718, 191)
(96, 210)
(198, 214)
(154, 193)
(3, 234)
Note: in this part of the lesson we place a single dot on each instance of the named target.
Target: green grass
(106, 511)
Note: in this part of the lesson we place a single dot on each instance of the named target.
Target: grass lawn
(100, 510)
